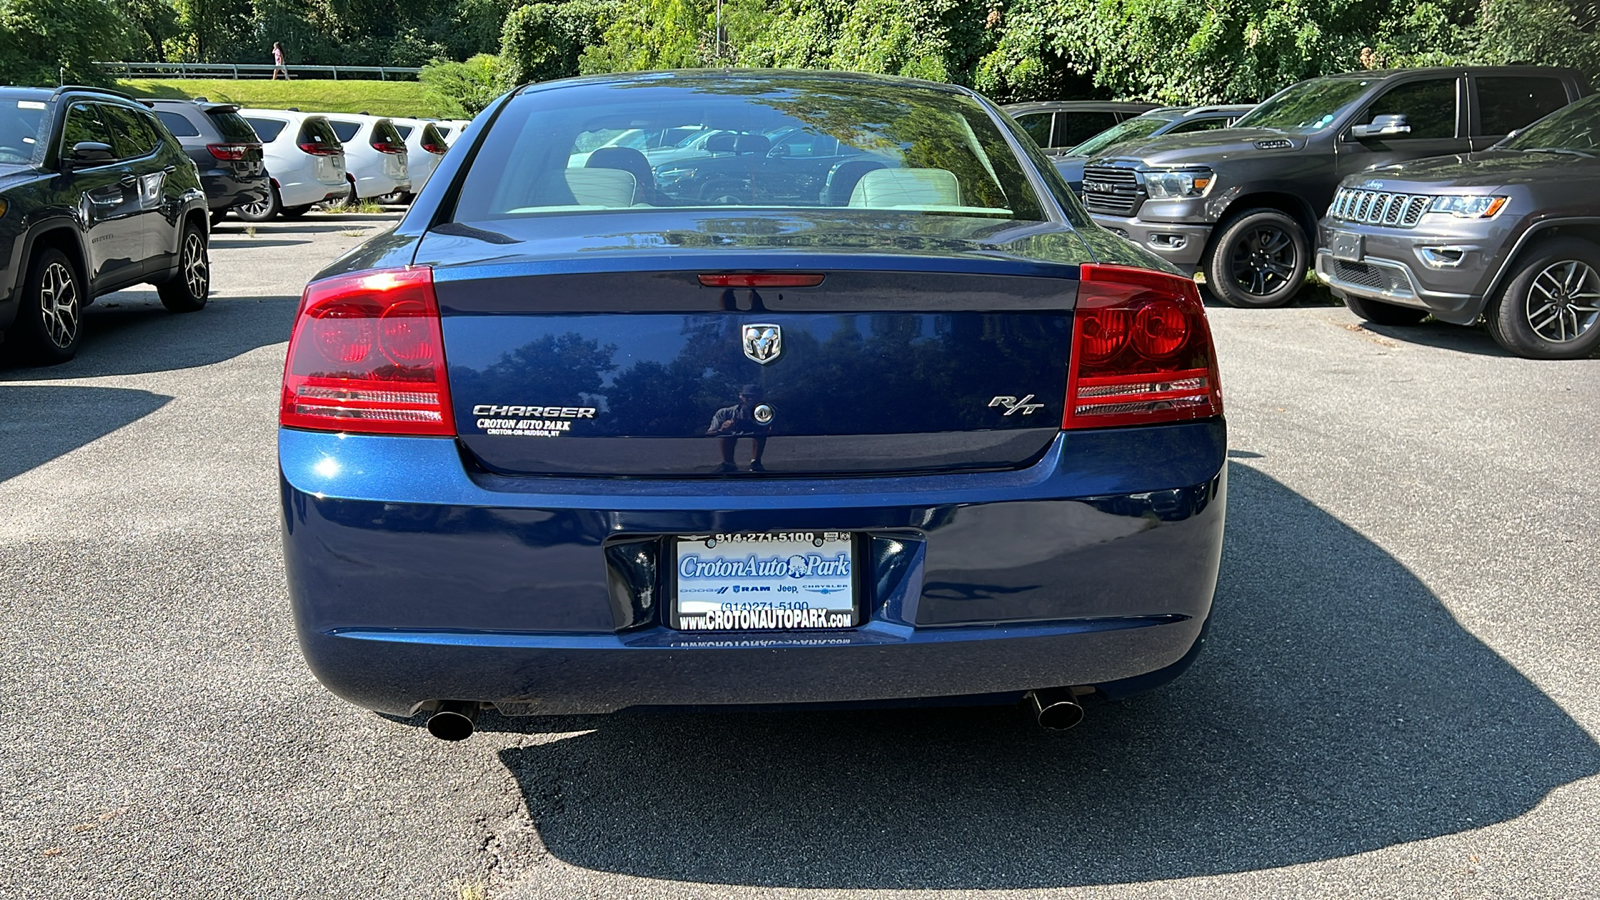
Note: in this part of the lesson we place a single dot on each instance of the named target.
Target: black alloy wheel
(1380, 313)
(187, 290)
(1259, 260)
(1550, 309)
(49, 322)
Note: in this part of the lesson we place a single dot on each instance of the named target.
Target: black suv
(1511, 234)
(95, 196)
(1242, 204)
(224, 148)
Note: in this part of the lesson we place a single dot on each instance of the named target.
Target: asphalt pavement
(1399, 697)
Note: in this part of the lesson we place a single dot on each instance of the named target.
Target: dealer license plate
(1346, 246)
(786, 581)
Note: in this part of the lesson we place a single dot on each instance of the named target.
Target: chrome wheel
(1263, 260)
(257, 210)
(59, 305)
(196, 269)
(1563, 301)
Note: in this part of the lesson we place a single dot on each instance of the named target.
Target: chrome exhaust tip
(1054, 709)
(454, 720)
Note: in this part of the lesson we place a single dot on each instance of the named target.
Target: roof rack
(84, 88)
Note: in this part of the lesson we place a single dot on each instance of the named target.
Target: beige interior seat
(892, 188)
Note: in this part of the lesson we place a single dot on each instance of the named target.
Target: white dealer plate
(787, 581)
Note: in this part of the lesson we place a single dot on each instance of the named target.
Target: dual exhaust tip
(1054, 709)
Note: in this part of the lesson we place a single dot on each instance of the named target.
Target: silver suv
(1511, 234)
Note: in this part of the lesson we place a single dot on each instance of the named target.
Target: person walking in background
(277, 62)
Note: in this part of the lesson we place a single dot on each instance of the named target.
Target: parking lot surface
(1399, 697)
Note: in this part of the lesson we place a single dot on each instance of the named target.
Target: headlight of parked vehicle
(1177, 185)
(2, 208)
(1466, 206)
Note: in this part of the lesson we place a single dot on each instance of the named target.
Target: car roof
(1189, 112)
(1426, 71)
(1078, 106)
(720, 79)
(203, 105)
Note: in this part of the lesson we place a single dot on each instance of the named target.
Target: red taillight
(762, 280)
(229, 152)
(367, 355)
(386, 147)
(1141, 352)
(431, 147)
(316, 149)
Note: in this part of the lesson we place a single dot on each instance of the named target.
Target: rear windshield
(233, 126)
(345, 130)
(1575, 128)
(1127, 130)
(746, 143)
(405, 130)
(266, 129)
(432, 137)
(386, 133)
(318, 131)
(1308, 106)
(19, 129)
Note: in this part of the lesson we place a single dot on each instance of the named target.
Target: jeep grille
(1379, 207)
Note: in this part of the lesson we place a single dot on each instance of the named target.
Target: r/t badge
(1016, 405)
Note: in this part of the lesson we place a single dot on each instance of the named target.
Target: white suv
(375, 153)
(304, 158)
(425, 146)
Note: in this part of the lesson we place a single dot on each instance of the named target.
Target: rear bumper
(225, 190)
(302, 193)
(411, 581)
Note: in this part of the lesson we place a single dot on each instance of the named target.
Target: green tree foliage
(1558, 32)
(542, 41)
(46, 40)
(464, 89)
(151, 23)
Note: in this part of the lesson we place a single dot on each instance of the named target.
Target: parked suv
(305, 159)
(375, 154)
(1156, 122)
(1059, 125)
(1242, 204)
(95, 196)
(224, 148)
(1511, 234)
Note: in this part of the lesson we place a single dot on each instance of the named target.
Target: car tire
(262, 210)
(49, 324)
(187, 290)
(1380, 313)
(1258, 260)
(1550, 309)
(295, 212)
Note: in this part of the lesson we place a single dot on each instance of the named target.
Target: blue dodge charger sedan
(902, 427)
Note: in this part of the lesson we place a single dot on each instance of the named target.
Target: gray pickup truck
(1242, 204)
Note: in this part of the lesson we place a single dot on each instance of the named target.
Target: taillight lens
(1142, 351)
(316, 149)
(229, 152)
(367, 355)
(438, 149)
(386, 147)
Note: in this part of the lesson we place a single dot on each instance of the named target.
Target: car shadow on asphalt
(1338, 708)
(1443, 336)
(42, 422)
(130, 333)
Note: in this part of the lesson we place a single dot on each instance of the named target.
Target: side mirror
(88, 153)
(1382, 126)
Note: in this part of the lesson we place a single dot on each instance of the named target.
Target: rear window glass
(1510, 102)
(233, 126)
(385, 132)
(433, 137)
(345, 130)
(1128, 130)
(19, 129)
(1037, 125)
(178, 124)
(318, 131)
(762, 143)
(135, 135)
(266, 129)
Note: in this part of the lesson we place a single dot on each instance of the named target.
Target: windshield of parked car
(1575, 128)
(1308, 106)
(1126, 130)
(19, 129)
(756, 141)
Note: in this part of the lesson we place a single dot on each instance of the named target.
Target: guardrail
(253, 70)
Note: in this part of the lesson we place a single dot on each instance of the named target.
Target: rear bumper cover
(411, 581)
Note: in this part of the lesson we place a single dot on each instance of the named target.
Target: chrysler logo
(762, 342)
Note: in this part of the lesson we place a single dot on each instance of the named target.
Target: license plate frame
(727, 599)
(1346, 246)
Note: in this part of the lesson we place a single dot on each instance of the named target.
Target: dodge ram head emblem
(763, 343)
